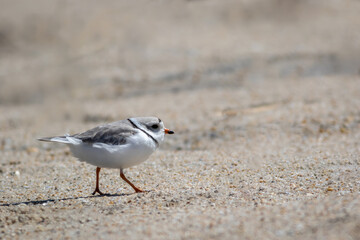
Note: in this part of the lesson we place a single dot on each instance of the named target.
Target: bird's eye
(155, 126)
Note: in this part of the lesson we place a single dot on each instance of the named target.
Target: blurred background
(263, 96)
(63, 50)
(78, 64)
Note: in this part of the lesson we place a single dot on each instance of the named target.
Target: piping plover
(120, 144)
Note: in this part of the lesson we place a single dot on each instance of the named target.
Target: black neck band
(134, 125)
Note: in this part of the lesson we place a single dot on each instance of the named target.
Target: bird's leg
(126, 180)
(97, 182)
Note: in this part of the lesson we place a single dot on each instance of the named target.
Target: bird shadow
(37, 202)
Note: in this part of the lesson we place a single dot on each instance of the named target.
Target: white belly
(137, 149)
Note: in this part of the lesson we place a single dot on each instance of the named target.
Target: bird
(121, 144)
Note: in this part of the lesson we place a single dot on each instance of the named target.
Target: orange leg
(97, 182)
(126, 180)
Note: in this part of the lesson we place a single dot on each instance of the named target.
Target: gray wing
(113, 133)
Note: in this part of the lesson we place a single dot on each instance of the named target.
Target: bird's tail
(60, 139)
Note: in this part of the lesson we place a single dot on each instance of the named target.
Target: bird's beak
(167, 131)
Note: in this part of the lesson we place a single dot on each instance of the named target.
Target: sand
(263, 98)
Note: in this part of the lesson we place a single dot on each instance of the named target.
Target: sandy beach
(263, 97)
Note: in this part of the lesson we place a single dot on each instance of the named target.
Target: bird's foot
(137, 190)
(97, 191)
